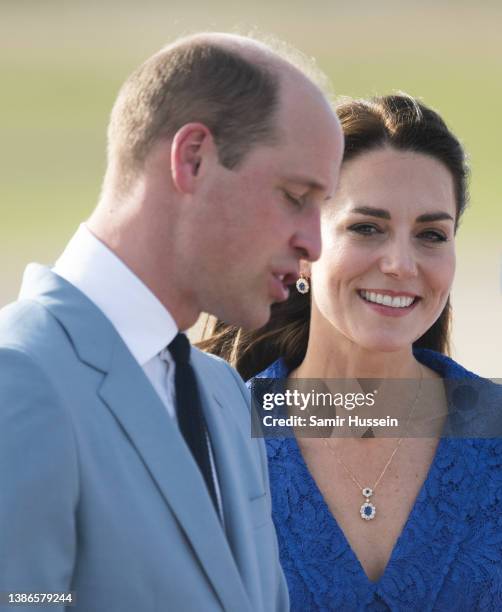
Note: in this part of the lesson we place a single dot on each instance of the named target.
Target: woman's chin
(385, 344)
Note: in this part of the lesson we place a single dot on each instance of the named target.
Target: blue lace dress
(448, 556)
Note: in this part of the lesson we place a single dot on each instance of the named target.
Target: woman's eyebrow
(372, 212)
(381, 213)
(436, 216)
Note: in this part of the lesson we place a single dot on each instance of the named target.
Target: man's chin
(251, 319)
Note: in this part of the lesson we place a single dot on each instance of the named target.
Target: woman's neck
(335, 356)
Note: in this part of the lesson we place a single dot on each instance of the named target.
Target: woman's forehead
(391, 180)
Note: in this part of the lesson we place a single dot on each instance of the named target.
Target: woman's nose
(399, 260)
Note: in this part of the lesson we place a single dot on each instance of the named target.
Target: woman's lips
(389, 303)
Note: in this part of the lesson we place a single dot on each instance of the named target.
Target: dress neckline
(443, 503)
(331, 520)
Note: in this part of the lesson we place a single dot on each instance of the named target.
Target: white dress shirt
(143, 323)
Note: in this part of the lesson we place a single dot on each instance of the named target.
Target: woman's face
(388, 254)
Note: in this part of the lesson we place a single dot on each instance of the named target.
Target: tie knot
(180, 348)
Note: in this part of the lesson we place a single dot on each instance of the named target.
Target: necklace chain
(368, 509)
(345, 466)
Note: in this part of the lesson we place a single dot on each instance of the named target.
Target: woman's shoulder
(277, 369)
(445, 366)
(474, 402)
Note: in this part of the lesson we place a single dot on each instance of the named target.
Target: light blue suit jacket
(99, 493)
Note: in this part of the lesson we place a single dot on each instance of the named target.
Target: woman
(378, 307)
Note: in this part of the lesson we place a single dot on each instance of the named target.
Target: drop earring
(302, 285)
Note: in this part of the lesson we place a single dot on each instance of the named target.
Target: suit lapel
(236, 475)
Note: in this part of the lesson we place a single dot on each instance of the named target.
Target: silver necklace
(368, 509)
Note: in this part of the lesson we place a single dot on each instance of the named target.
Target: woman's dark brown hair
(397, 121)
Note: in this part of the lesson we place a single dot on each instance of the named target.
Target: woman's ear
(305, 268)
(191, 149)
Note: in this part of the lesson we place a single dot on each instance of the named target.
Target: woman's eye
(365, 229)
(433, 236)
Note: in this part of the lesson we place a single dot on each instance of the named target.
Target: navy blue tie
(191, 419)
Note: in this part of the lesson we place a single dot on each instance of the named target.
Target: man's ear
(192, 146)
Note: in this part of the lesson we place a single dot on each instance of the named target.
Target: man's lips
(287, 277)
(280, 279)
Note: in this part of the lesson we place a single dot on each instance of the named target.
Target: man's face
(260, 219)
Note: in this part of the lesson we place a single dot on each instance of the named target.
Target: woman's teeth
(398, 301)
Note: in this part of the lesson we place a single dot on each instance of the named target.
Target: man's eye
(433, 236)
(293, 200)
(365, 229)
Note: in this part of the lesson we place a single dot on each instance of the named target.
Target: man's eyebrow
(369, 211)
(307, 182)
(435, 216)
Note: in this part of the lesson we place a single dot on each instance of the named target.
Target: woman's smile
(389, 303)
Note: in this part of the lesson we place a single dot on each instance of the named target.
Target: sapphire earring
(302, 285)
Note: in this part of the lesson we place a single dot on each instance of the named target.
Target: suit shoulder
(23, 380)
(26, 323)
(29, 338)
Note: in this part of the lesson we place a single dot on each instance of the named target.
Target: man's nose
(398, 259)
(307, 239)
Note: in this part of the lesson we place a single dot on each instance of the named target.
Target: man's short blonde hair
(200, 79)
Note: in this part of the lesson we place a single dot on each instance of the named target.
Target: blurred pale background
(62, 63)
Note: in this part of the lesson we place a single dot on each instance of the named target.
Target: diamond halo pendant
(367, 510)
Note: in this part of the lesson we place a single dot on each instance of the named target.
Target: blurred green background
(61, 64)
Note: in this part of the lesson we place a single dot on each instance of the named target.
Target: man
(127, 471)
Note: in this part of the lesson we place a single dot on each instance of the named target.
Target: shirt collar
(143, 323)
